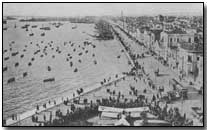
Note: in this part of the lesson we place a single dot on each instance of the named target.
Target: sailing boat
(45, 28)
(31, 34)
(74, 27)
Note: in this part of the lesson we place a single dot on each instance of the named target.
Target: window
(189, 59)
(174, 39)
(189, 40)
(170, 40)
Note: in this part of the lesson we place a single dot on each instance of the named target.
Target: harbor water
(58, 49)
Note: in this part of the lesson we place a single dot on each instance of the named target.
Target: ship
(74, 27)
(34, 26)
(45, 28)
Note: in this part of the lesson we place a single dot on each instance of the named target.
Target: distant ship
(25, 26)
(57, 25)
(34, 26)
(74, 27)
(45, 28)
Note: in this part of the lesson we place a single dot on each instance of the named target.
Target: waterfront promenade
(151, 65)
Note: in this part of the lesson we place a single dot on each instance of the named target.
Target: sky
(99, 9)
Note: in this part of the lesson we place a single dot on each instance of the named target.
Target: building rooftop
(193, 48)
(176, 31)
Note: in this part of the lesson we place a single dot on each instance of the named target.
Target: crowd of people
(78, 116)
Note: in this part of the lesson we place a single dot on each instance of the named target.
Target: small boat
(22, 56)
(49, 80)
(95, 62)
(24, 74)
(15, 26)
(23, 27)
(31, 34)
(16, 64)
(11, 80)
(5, 51)
(6, 58)
(74, 27)
(5, 28)
(45, 28)
(42, 34)
(34, 26)
(76, 70)
(29, 64)
(5, 68)
(4, 22)
(15, 53)
(71, 64)
(80, 53)
(49, 68)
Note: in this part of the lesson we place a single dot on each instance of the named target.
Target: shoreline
(59, 101)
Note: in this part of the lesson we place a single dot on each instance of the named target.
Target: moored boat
(11, 80)
(42, 34)
(49, 80)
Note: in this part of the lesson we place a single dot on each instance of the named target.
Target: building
(190, 64)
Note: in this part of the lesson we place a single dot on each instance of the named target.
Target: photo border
(204, 67)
